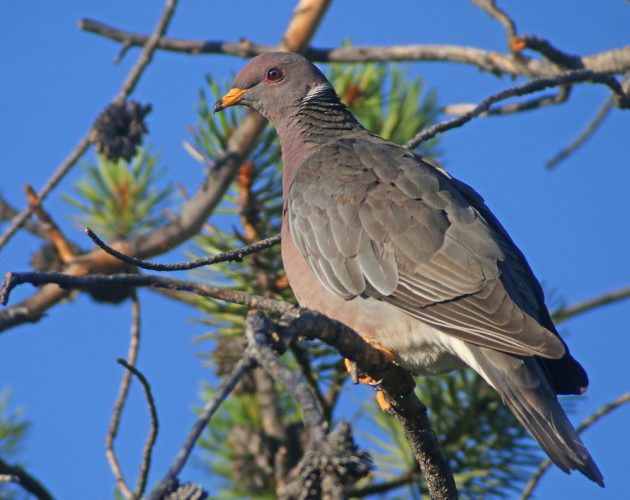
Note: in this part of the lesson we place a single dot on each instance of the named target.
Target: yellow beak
(232, 97)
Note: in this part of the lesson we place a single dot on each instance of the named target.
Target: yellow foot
(383, 403)
(363, 378)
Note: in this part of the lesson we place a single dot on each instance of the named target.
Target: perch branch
(398, 389)
(11, 280)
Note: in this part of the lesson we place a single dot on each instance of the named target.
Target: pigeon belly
(418, 347)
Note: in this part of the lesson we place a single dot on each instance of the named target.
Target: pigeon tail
(524, 388)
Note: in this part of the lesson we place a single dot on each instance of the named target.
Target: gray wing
(372, 219)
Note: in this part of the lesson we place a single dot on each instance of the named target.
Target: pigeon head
(273, 83)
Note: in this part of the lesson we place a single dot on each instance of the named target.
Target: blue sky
(571, 223)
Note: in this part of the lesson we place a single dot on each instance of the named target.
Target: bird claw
(383, 403)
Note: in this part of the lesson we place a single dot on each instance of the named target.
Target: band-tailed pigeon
(412, 259)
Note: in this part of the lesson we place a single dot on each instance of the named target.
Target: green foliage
(488, 450)
(13, 430)
(386, 101)
(119, 199)
(13, 426)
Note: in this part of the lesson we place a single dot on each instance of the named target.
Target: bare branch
(123, 391)
(614, 61)
(235, 255)
(493, 10)
(224, 390)
(517, 107)
(8, 212)
(11, 280)
(55, 235)
(523, 89)
(553, 54)
(127, 87)
(147, 54)
(565, 313)
(153, 432)
(586, 423)
(590, 129)
(397, 386)
(25, 480)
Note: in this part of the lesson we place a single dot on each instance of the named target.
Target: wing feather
(372, 219)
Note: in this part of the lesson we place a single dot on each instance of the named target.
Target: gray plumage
(411, 258)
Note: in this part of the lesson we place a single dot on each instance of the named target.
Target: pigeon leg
(362, 378)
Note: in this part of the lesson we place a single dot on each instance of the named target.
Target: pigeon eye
(274, 74)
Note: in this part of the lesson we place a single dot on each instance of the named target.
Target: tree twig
(565, 313)
(523, 89)
(11, 280)
(8, 212)
(396, 383)
(552, 53)
(307, 372)
(123, 391)
(25, 480)
(516, 107)
(235, 255)
(589, 130)
(55, 235)
(127, 87)
(586, 423)
(153, 432)
(613, 61)
(256, 330)
(496, 13)
(224, 390)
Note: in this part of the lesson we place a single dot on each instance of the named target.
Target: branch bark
(25, 480)
(614, 61)
(564, 313)
(123, 391)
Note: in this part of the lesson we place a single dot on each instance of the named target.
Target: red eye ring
(274, 74)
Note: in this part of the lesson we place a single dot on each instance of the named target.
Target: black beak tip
(218, 106)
